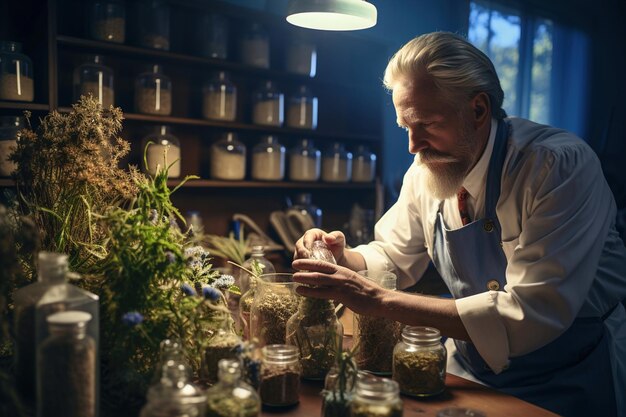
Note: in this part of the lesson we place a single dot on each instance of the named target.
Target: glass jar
(230, 396)
(363, 165)
(339, 390)
(254, 46)
(169, 350)
(337, 164)
(66, 366)
(376, 337)
(153, 24)
(153, 92)
(162, 149)
(228, 158)
(219, 98)
(419, 362)
(259, 265)
(107, 20)
(305, 162)
(274, 303)
(34, 303)
(280, 376)
(268, 160)
(303, 204)
(222, 345)
(268, 105)
(301, 57)
(16, 73)
(213, 31)
(9, 133)
(373, 396)
(172, 395)
(302, 109)
(94, 78)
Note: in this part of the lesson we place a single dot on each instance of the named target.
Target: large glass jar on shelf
(274, 303)
(153, 24)
(305, 161)
(94, 78)
(228, 158)
(16, 73)
(254, 46)
(212, 35)
(9, 133)
(375, 396)
(153, 92)
(363, 165)
(107, 20)
(337, 164)
(163, 149)
(268, 160)
(219, 98)
(301, 56)
(268, 105)
(230, 396)
(303, 203)
(302, 109)
(280, 376)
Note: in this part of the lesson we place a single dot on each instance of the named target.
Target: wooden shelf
(7, 182)
(204, 183)
(19, 105)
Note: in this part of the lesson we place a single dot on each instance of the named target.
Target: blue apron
(571, 375)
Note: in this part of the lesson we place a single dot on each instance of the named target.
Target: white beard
(442, 182)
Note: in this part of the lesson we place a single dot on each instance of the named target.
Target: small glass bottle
(66, 366)
(228, 158)
(169, 350)
(375, 396)
(9, 133)
(230, 396)
(274, 303)
(153, 92)
(16, 73)
(302, 109)
(107, 20)
(419, 362)
(163, 150)
(305, 162)
(337, 164)
(219, 98)
(172, 394)
(268, 160)
(301, 57)
(254, 46)
(268, 105)
(258, 264)
(94, 78)
(280, 376)
(213, 33)
(153, 25)
(304, 204)
(363, 165)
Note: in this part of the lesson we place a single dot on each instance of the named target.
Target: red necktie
(462, 198)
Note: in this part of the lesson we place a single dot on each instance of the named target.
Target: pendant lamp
(332, 14)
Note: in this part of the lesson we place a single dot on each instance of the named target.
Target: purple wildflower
(211, 293)
(188, 289)
(132, 318)
(224, 282)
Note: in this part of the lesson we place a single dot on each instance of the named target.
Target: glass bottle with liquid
(93, 77)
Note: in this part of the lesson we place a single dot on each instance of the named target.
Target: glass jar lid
(280, 354)
(421, 335)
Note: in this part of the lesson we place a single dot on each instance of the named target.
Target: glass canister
(222, 345)
(301, 56)
(94, 78)
(304, 204)
(162, 149)
(274, 303)
(280, 376)
(213, 33)
(268, 160)
(219, 98)
(375, 396)
(9, 133)
(254, 46)
(16, 73)
(172, 395)
(228, 158)
(337, 164)
(230, 396)
(258, 264)
(419, 362)
(363, 165)
(376, 336)
(66, 364)
(305, 162)
(302, 109)
(153, 92)
(107, 20)
(153, 24)
(169, 350)
(268, 105)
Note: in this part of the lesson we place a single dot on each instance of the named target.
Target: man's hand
(336, 242)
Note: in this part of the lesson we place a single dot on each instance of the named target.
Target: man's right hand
(336, 242)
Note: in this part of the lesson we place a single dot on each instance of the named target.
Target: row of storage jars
(107, 22)
(153, 95)
(268, 162)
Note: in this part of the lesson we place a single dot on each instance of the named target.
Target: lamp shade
(332, 14)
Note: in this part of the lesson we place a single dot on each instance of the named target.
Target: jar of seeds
(274, 303)
(153, 92)
(16, 73)
(305, 162)
(376, 397)
(153, 24)
(254, 46)
(230, 396)
(302, 109)
(66, 363)
(219, 98)
(213, 33)
(419, 362)
(162, 150)
(94, 78)
(363, 165)
(107, 20)
(337, 164)
(280, 376)
(301, 56)
(222, 345)
(9, 133)
(228, 158)
(268, 105)
(268, 160)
